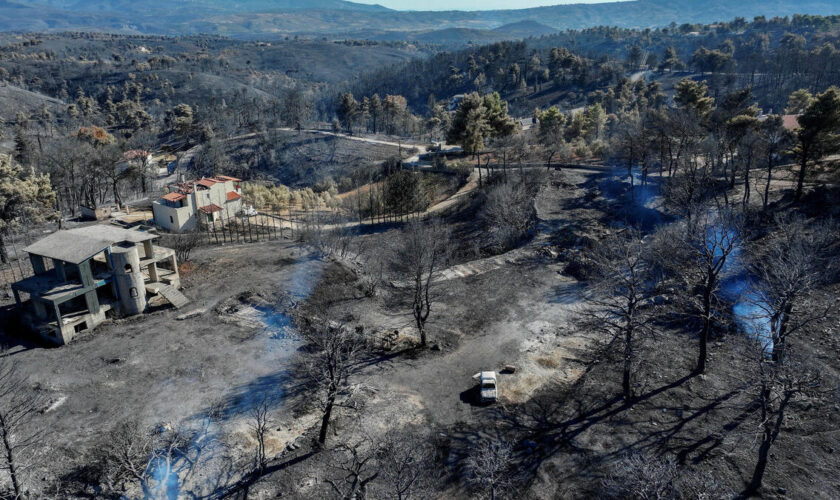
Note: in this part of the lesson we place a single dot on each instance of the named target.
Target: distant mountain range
(199, 6)
(458, 37)
(273, 18)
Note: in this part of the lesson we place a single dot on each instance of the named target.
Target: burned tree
(160, 460)
(489, 467)
(789, 268)
(621, 298)
(509, 213)
(18, 406)
(358, 468)
(418, 256)
(396, 464)
(696, 254)
(404, 460)
(329, 360)
(641, 476)
(184, 243)
(778, 385)
(259, 424)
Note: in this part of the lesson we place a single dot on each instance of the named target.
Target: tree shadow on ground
(241, 489)
(277, 388)
(14, 336)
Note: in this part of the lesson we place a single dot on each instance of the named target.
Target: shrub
(508, 214)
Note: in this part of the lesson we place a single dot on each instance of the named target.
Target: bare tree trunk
(747, 188)
(768, 436)
(626, 382)
(4, 253)
(478, 165)
(325, 418)
(10, 457)
(800, 182)
(707, 324)
(779, 332)
(769, 179)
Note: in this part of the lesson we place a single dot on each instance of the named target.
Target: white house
(187, 205)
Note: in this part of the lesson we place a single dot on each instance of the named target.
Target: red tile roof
(208, 183)
(790, 122)
(233, 196)
(209, 209)
(135, 154)
(181, 187)
(173, 197)
(228, 178)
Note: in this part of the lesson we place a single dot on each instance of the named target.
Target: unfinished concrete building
(83, 276)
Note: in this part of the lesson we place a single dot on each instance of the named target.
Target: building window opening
(133, 292)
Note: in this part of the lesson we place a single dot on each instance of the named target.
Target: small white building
(188, 205)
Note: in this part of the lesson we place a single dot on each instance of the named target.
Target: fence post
(18, 259)
(224, 238)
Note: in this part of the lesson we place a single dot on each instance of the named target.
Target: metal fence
(18, 266)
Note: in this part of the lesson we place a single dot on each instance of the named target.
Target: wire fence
(18, 267)
(323, 229)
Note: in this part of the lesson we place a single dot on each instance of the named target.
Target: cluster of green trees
(279, 197)
(775, 56)
(389, 115)
(27, 199)
(702, 139)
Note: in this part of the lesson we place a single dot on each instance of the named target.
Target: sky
(469, 4)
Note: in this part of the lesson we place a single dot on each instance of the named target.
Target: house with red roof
(188, 205)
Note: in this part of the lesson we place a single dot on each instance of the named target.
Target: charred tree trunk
(707, 323)
(626, 382)
(779, 331)
(5, 434)
(766, 200)
(325, 418)
(478, 166)
(768, 436)
(803, 168)
(4, 253)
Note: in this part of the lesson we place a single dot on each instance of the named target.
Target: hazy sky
(469, 4)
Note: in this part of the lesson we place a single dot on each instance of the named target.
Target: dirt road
(509, 309)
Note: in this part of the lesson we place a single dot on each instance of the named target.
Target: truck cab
(488, 386)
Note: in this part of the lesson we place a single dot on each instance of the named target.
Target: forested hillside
(593, 263)
(773, 56)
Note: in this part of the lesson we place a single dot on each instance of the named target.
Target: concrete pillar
(57, 315)
(40, 309)
(59, 269)
(86, 274)
(147, 247)
(92, 302)
(153, 274)
(38, 265)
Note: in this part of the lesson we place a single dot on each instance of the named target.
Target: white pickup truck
(488, 386)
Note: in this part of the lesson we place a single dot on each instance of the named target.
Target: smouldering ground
(157, 369)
